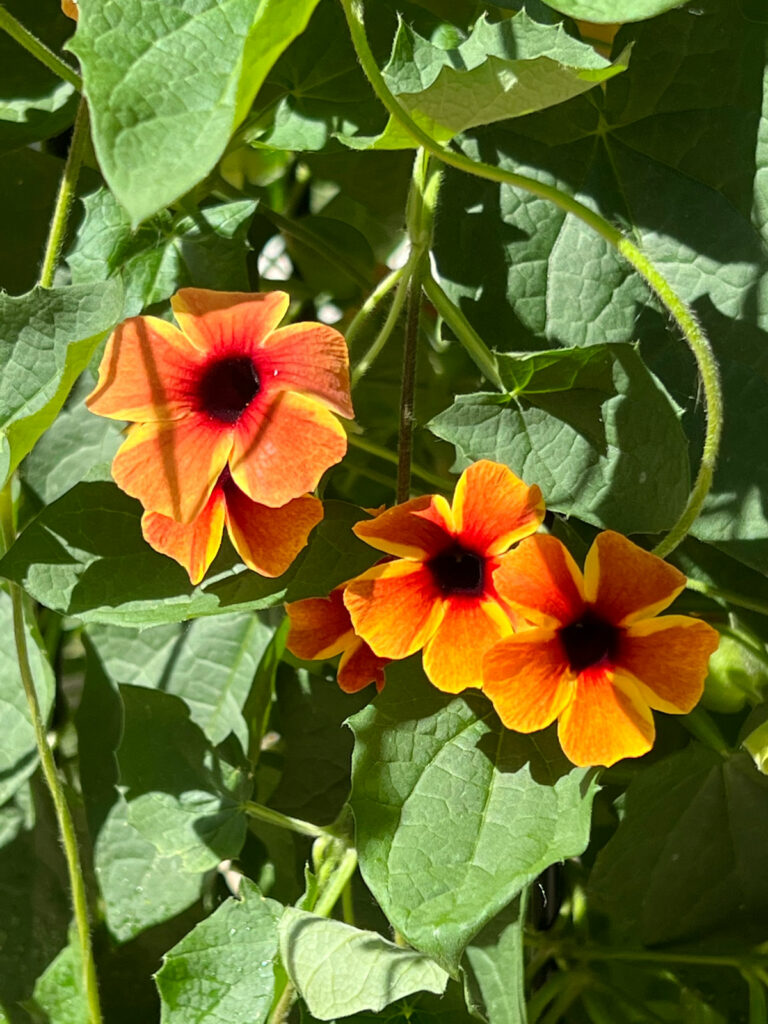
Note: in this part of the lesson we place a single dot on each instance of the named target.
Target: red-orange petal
(668, 658)
(394, 607)
(172, 467)
(527, 679)
(453, 658)
(320, 627)
(419, 528)
(148, 372)
(359, 667)
(541, 579)
(269, 539)
(311, 358)
(493, 508)
(228, 321)
(281, 452)
(194, 545)
(606, 720)
(626, 583)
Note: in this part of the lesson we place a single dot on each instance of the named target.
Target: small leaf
(59, 989)
(614, 10)
(493, 969)
(223, 971)
(339, 970)
(455, 814)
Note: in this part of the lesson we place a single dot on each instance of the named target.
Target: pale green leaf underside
(613, 10)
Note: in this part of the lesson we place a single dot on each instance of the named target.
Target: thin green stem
(50, 773)
(270, 817)
(585, 951)
(681, 313)
(380, 292)
(408, 389)
(66, 197)
(356, 441)
(347, 904)
(728, 596)
(387, 327)
(38, 49)
(700, 724)
(464, 331)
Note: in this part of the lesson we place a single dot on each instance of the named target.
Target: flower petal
(394, 607)
(282, 451)
(606, 720)
(493, 508)
(172, 467)
(527, 679)
(269, 539)
(668, 658)
(311, 358)
(419, 528)
(359, 667)
(541, 579)
(626, 583)
(453, 658)
(320, 627)
(149, 371)
(228, 321)
(194, 545)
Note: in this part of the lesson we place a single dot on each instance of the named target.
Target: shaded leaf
(493, 969)
(29, 181)
(614, 10)
(59, 990)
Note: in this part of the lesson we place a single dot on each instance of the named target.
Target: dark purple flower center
(458, 571)
(589, 641)
(228, 387)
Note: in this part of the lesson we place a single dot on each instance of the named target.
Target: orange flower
(228, 389)
(598, 659)
(321, 628)
(267, 539)
(442, 593)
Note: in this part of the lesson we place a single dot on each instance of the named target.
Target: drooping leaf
(49, 336)
(168, 85)
(593, 428)
(493, 969)
(340, 970)
(455, 814)
(223, 971)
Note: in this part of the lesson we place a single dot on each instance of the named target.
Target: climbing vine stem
(679, 310)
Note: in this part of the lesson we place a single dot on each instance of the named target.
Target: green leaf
(18, 750)
(168, 84)
(206, 249)
(454, 814)
(610, 449)
(29, 182)
(223, 971)
(48, 339)
(614, 10)
(688, 860)
(335, 554)
(339, 970)
(84, 555)
(493, 969)
(59, 990)
(501, 71)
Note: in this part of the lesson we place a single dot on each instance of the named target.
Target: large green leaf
(689, 859)
(49, 336)
(206, 249)
(18, 750)
(593, 428)
(454, 814)
(223, 971)
(168, 84)
(181, 796)
(339, 970)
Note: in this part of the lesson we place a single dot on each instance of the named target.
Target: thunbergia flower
(320, 627)
(229, 388)
(442, 591)
(267, 539)
(597, 657)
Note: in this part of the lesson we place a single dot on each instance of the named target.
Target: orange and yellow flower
(227, 389)
(267, 539)
(442, 591)
(320, 627)
(597, 659)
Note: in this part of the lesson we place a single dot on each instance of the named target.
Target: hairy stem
(407, 390)
(464, 331)
(65, 197)
(382, 289)
(270, 817)
(681, 313)
(38, 49)
(387, 327)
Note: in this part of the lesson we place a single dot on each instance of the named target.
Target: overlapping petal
(493, 508)
(419, 528)
(359, 667)
(606, 720)
(453, 656)
(541, 579)
(313, 359)
(624, 583)
(527, 679)
(269, 539)
(320, 627)
(229, 321)
(194, 545)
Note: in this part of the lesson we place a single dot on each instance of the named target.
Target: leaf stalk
(38, 49)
